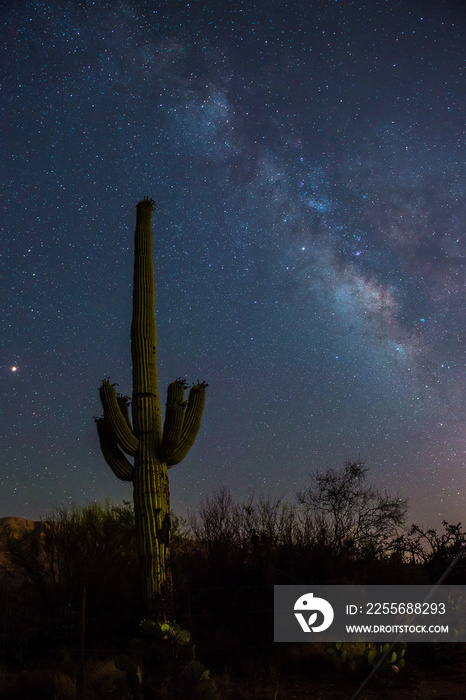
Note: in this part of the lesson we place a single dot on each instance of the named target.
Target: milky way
(307, 160)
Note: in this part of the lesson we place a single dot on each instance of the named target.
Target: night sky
(308, 164)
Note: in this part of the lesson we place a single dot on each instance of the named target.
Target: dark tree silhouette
(351, 514)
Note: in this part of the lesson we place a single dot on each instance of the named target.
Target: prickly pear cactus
(163, 665)
(388, 660)
(361, 657)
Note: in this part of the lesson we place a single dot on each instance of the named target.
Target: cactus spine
(154, 450)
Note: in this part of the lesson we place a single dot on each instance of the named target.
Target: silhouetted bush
(353, 516)
(225, 564)
(48, 568)
(441, 555)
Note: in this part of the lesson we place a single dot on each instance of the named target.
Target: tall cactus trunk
(150, 480)
(154, 450)
(152, 512)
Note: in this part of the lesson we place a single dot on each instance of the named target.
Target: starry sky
(307, 160)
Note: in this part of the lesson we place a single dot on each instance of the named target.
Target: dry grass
(65, 687)
(101, 681)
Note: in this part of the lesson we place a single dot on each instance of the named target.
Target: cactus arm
(118, 421)
(191, 424)
(124, 402)
(174, 419)
(116, 460)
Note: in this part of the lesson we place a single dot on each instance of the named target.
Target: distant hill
(15, 527)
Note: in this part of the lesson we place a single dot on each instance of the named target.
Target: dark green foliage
(361, 658)
(162, 665)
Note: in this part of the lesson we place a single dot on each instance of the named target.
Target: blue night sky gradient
(307, 160)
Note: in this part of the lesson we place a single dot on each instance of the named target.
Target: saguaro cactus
(153, 450)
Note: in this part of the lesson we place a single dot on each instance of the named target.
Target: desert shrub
(440, 554)
(339, 531)
(47, 568)
(353, 515)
